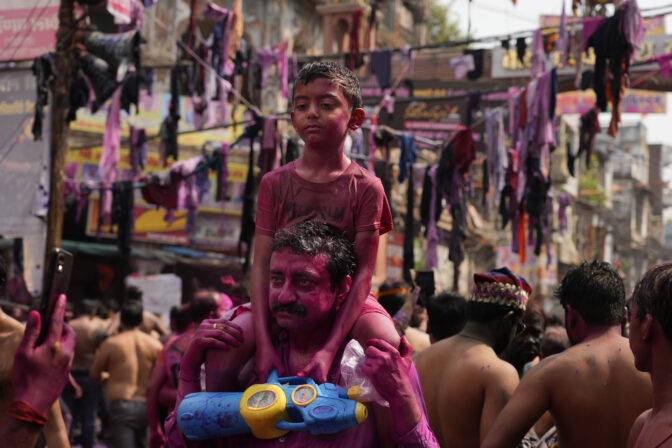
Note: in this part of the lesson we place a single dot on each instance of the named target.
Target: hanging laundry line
(157, 136)
(486, 39)
(206, 65)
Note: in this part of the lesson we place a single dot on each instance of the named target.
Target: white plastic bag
(352, 375)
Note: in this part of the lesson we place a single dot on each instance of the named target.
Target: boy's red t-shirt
(354, 202)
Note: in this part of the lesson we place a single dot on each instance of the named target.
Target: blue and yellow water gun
(271, 410)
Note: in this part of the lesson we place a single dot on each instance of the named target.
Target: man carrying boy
(310, 278)
(651, 343)
(325, 186)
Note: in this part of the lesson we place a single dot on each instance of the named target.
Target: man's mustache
(291, 308)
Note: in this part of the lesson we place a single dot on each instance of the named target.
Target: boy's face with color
(322, 115)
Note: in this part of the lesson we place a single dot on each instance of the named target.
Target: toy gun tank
(271, 410)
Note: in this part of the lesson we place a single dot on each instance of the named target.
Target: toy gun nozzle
(353, 393)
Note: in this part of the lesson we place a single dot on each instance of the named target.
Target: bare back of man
(592, 390)
(89, 336)
(128, 358)
(465, 385)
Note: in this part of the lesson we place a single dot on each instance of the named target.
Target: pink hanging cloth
(107, 167)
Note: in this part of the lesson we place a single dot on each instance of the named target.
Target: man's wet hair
(131, 313)
(316, 238)
(446, 315)
(337, 74)
(653, 295)
(595, 290)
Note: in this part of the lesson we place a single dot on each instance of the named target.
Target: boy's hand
(319, 366)
(40, 372)
(265, 360)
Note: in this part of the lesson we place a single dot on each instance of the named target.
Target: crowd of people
(490, 369)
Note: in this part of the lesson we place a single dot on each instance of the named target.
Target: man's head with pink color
(310, 275)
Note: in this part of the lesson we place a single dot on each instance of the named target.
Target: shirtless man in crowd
(150, 324)
(464, 383)
(11, 332)
(593, 390)
(89, 337)
(127, 359)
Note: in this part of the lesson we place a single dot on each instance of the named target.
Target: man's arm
(55, 432)
(500, 385)
(390, 372)
(157, 325)
(530, 400)
(100, 363)
(365, 250)
(156, 380)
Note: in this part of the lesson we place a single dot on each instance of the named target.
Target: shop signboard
(27, 28)
(633, 101)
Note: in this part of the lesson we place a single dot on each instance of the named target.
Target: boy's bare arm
(265, 357)
(366, 249)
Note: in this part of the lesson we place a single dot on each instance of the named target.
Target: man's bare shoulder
(455, 355)
(652, 430)
(149, 341)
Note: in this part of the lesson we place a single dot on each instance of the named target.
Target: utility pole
(65, 63)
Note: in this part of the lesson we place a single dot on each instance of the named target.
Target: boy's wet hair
(337, 74)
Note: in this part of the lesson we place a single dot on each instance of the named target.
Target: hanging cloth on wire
(429, 217)
(222, 172)
(407, 157)
(354, 58)
(381, 66)
(247, 219)
(107, 167)
(169, 127)
(123, 215)
(409, 230)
